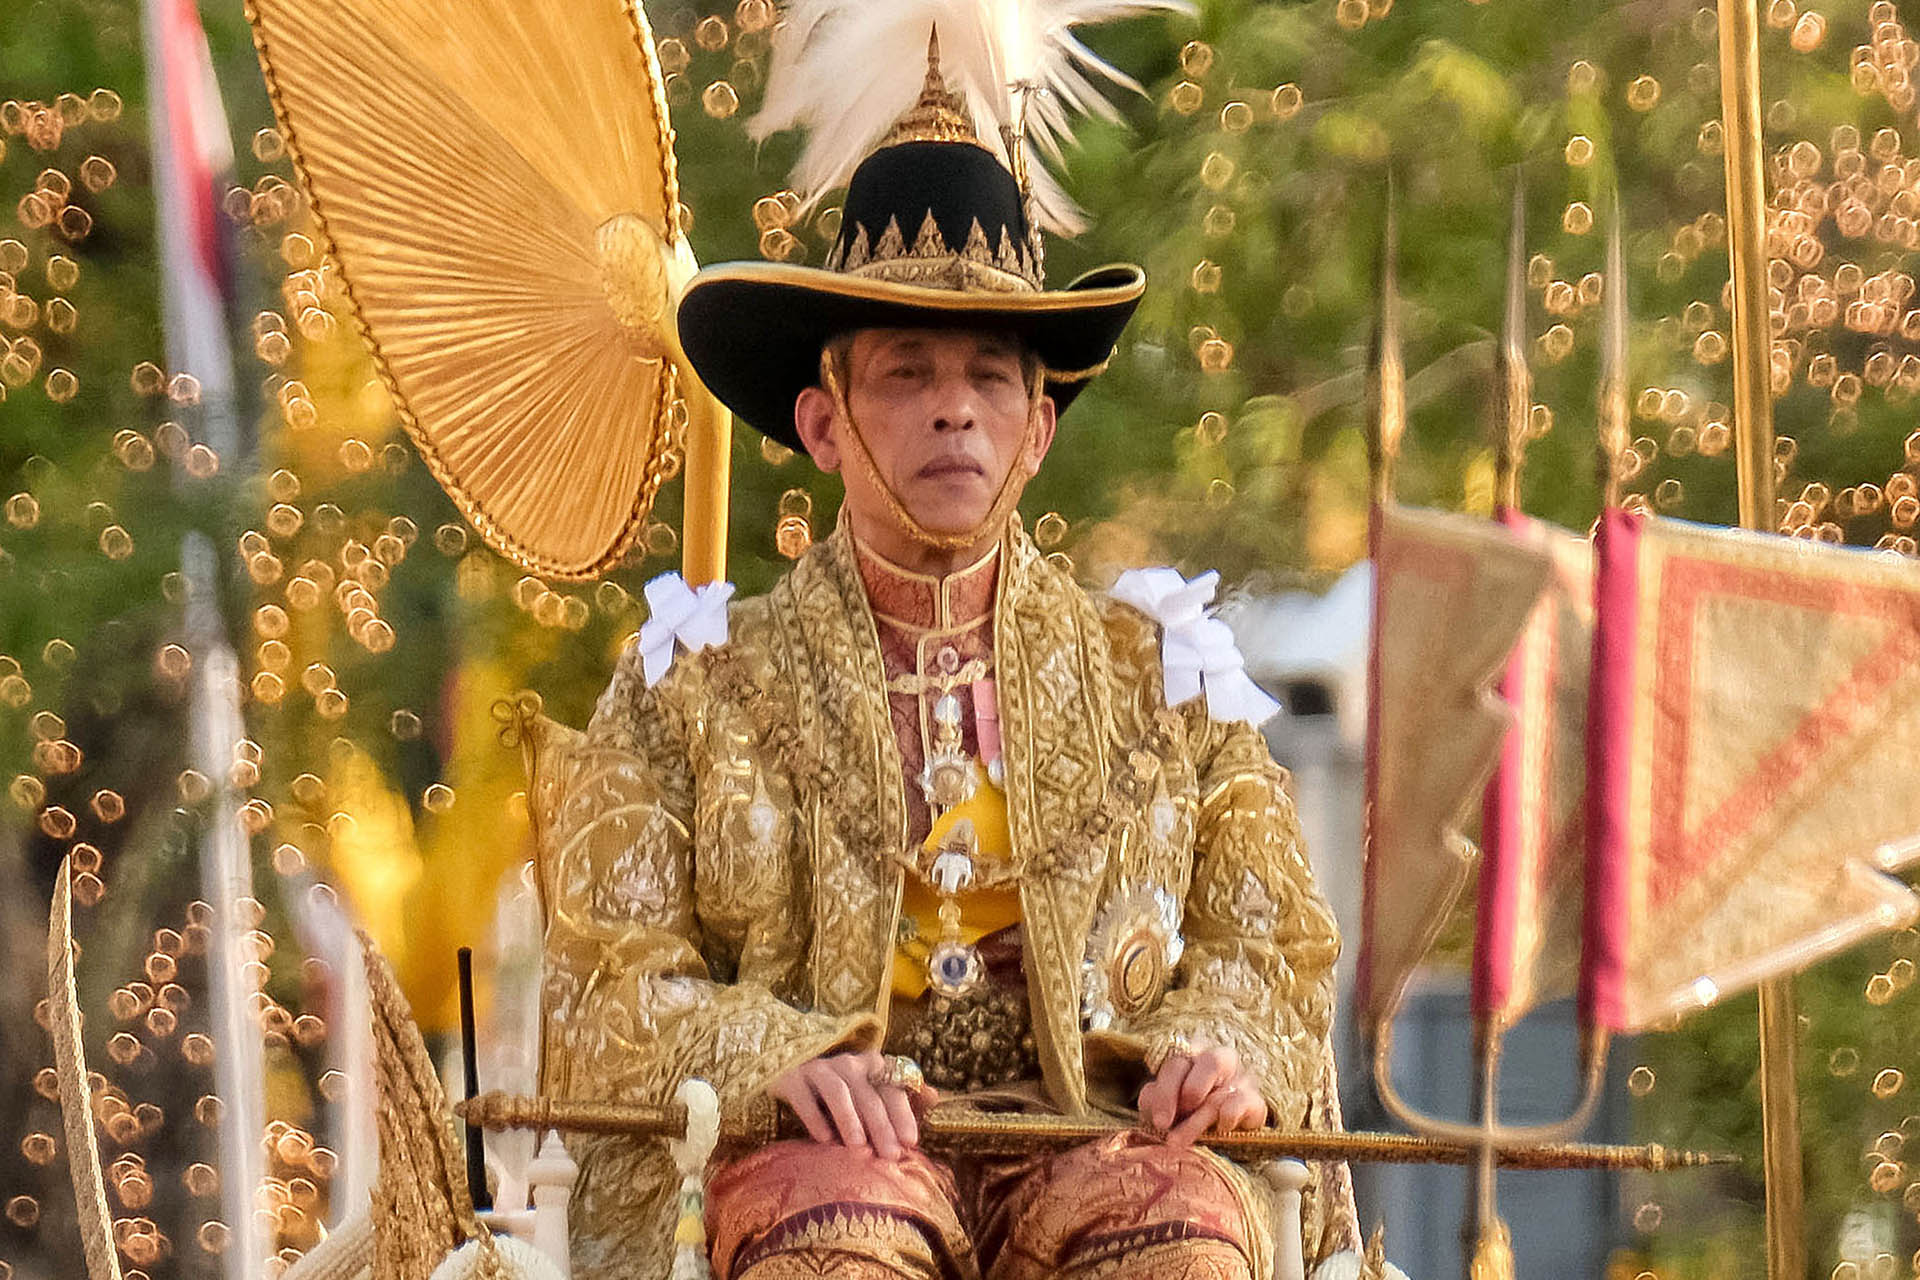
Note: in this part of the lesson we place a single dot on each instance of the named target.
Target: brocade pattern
(709, 915)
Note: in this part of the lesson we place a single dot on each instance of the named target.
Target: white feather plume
(847, 70)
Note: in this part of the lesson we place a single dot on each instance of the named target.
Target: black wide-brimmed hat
(935, 233)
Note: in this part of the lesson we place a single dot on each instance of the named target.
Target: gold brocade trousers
(1122, 1208)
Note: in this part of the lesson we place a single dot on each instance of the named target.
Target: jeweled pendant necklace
(953, 965)
(951, 780)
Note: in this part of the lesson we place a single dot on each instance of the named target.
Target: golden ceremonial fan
(495, 179)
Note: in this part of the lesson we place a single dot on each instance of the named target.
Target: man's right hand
(837, 1100)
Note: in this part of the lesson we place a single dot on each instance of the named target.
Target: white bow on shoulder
(1197, 650)
(695, 617)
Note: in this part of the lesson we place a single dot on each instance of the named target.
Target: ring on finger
(899, 1071)
(1175, 1047)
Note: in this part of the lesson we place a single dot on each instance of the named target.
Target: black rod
(469, 1061)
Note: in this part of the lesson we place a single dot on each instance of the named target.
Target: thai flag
(192, 158)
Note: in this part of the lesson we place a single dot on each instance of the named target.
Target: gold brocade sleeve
(675, 939)
(1257, 973)
(1257, 970)
(671, 941)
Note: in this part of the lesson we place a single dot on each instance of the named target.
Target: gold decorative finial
(1493, 1254)
(1612, 408)
(1387, 370)
(1510, 362)
(421, 1208)
(940, 115)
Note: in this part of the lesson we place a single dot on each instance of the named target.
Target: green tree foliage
(1250, 179)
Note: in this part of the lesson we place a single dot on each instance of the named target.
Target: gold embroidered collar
(913, 601)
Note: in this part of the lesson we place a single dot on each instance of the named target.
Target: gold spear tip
(1613, 431)
(1514, 381)
(1387, 375)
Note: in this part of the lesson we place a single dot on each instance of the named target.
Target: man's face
(944, 414)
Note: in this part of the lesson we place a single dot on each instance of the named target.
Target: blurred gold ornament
(97, 173)
(720, 100)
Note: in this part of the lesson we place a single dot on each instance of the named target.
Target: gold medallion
(1130, 955)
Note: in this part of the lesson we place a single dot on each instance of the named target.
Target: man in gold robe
(929, 819)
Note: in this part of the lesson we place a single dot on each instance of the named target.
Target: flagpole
(1488, 1253)
(1747, 246)
(1753, 459)
(190, 149)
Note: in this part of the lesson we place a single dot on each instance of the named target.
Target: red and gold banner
(1751, 742)
(1533, 834)
(1451, 594)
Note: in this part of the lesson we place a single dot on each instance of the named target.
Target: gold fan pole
(1753, 458)
(703, 535)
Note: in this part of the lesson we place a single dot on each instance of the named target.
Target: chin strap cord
(1003, 503)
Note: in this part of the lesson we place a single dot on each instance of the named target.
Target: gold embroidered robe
(712, 916)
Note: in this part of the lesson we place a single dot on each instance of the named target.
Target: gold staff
(76, 1105)
(1753, 459)
(957, 1126)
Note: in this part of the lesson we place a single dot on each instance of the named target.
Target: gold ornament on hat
(939, 114)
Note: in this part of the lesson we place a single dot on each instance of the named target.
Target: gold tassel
(1373, 1263)
(1493, 1255)
(421, 1210)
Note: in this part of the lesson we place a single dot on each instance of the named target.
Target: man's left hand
(1201, 1090)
